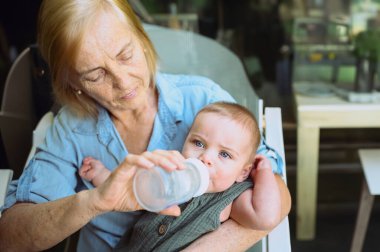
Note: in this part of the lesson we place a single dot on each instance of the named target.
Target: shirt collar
(104, 126)
(170, 99)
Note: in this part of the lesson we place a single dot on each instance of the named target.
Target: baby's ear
(245, 172)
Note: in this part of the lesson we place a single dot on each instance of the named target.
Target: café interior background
(265, 34)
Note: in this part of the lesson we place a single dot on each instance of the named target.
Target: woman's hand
(116, 193)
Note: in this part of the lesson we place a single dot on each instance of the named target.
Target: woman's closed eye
(95, 76)
(225, 154)
(126, 57)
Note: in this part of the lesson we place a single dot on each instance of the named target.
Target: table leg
(307, 177)
(364, 213)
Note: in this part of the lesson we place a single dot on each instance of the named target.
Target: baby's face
(223, 146)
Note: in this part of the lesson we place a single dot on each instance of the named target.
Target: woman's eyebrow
(122, 50)
(88, 71)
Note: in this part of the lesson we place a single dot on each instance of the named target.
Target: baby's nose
(205, 158)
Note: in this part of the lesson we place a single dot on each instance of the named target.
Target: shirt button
(162, 229)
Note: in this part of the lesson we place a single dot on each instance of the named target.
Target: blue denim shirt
(53, 172)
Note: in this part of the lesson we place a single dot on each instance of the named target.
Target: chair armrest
(279, 238)
(5, 179)
(273, 132)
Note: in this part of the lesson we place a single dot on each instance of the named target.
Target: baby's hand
(92, 170)
(261, 163)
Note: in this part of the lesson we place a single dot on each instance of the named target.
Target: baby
(225, 137)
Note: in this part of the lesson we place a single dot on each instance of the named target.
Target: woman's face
(111, 66)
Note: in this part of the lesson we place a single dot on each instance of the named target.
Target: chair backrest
(17, 114)
(39, 133)
(185, 52)
(26, 98)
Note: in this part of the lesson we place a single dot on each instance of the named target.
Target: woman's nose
(120, 77)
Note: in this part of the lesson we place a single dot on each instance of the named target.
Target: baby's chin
(211, 188)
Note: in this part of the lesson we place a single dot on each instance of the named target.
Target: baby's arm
(259, 207)
(94, 171)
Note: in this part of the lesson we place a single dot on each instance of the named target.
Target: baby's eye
(198, 143)
(224, 154)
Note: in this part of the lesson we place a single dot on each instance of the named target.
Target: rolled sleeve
(35, 186)
(39, 183)
(10, 199)
(275, 159)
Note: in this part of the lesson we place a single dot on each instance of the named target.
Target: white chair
(39, 133)
(188, 53)
(38, 138)
(5, 179)
(185, 52)
(370, 160)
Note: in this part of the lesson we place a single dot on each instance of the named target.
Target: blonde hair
(61, 28)
(240, 115)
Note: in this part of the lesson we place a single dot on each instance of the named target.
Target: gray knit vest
(154, 232)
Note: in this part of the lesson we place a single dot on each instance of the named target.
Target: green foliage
(367, 44)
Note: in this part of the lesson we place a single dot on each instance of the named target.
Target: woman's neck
(140, 114)
(136, 127)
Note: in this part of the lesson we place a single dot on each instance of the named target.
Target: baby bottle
(156, 189)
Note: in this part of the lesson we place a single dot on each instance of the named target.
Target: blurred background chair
(179, 52)
(26, 98)
(17, 115)
(184, 52)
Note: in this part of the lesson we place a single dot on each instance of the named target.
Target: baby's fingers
(173, 211)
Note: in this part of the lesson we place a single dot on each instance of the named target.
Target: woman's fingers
(116, 193)
(168, 160)
(145, 160)
(173, 211)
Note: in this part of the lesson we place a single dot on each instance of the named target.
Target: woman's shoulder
(184, 95)
(190, 85)
(67, 119)
(189, 81)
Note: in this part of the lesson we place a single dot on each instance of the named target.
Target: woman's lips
(129, 95)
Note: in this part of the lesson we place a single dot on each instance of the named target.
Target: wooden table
(314, 113)
(370, 160)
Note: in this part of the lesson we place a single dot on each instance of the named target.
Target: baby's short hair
(239, 114)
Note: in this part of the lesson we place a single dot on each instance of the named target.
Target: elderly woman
(116, 108)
